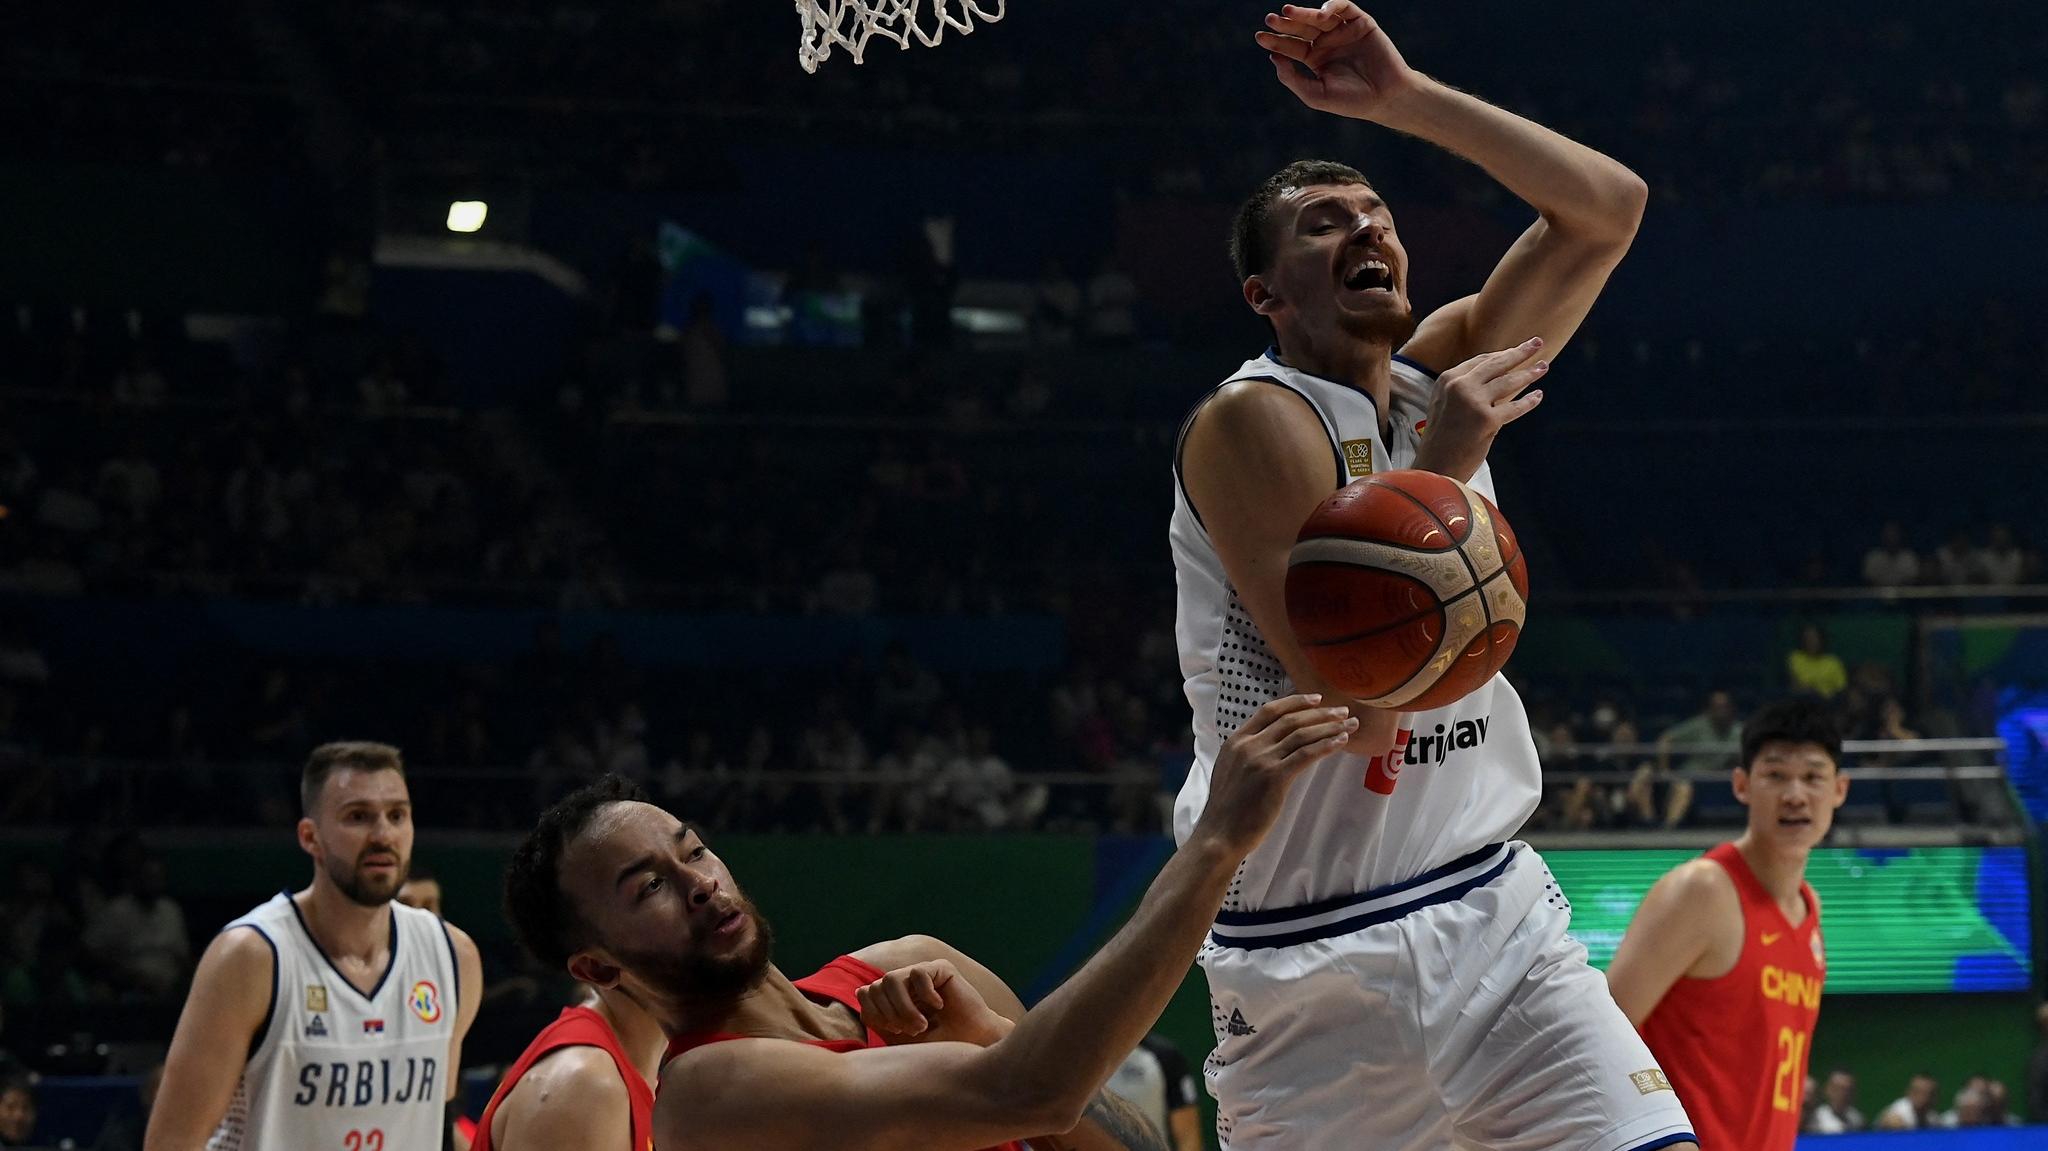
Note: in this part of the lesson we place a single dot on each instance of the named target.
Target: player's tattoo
(1124, 1123)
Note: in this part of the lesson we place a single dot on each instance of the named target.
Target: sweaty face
(664, 909)
(361, 834)
(1338, 270)
(1792, 790)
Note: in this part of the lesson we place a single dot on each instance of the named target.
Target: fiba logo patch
(1649, 1081)
(425, 1002)
(1357, 458)
(1820, 954)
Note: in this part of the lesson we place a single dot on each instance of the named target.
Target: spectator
(1913, 1110)
(1952, 561)
(29, 911)
(131, 482)
(421, 889)
(1837, 1112)
(978, 785)
(2000, 562)
(909, 776)
(1812, 667)
(1157, 1081)
(139, 936)
(1998, 1105)
(1891, 563)
(1968, 1110)
(17, 1109)
(1654, 797)
(1710, 738)
(67, 505)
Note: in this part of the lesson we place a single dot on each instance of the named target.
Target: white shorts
(1450, 1011)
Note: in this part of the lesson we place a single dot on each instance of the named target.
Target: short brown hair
(351, 755)
(1251, 245)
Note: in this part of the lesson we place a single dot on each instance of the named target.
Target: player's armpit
(572, 1100)
(1672, 933)
(772, 1095)
(1256, 462)
(229, 1004)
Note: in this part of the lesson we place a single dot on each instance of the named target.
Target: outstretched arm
(779, 1096)
(1588, 205)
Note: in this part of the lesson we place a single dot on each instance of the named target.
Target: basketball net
(849, 24)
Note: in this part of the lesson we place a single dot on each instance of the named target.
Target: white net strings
(849, 24)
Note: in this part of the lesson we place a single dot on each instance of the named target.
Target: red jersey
(1735, 1047)
(576, 1027)
(835, 982)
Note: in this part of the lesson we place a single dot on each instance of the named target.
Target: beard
(361, 889)
(1391, 326)
(694, 977)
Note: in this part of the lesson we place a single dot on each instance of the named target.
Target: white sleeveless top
(334, 1069)
(1469, 775)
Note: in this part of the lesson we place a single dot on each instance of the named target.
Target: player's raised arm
(1669, 938)
(1041, 1076)
(231, 999)
(1588, 205)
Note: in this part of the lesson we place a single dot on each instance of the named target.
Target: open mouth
(729, 923)
(1368, 274)
(1794, 821)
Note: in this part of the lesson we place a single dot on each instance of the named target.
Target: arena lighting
(467, 215)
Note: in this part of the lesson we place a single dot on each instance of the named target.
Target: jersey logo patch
(373, 1027)
(1357, 458)
(317, 1029)
(425, 1002)
(1649, 1082)
(316, 997)
(1237, 1025)
(1771, 937)
(1820, 954)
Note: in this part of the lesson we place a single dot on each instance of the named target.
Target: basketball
(1407, 590)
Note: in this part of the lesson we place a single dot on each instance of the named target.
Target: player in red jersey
(586, 1081)
(628, 898)
(1722, 968)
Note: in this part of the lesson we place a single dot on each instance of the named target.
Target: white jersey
(334, 1069)
(1468, 775)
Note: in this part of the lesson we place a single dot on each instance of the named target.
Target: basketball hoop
(849, 23)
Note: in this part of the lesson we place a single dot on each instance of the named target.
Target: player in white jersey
(1390, 971)
(330, 1019)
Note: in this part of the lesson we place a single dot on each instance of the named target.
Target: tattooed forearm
(1125, 1126)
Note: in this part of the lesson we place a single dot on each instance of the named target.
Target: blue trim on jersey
(389, 967)
(1418, 365)
(1272, 353)
(454, 967)
(270, 1012)
(1667, 1141)
(1449, 894)
(1339, 902)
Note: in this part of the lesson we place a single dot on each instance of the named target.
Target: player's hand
(1353, 69)
(929, 1002)
(1473, 402)
(1249, 782)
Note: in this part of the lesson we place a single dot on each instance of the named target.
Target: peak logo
(1384, 771)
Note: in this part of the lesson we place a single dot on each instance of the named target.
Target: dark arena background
(552, 388)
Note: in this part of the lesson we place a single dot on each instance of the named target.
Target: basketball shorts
(1450, 1011)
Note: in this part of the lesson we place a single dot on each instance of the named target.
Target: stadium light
(467, 215)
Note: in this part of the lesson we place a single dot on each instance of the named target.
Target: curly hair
(542, 916)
